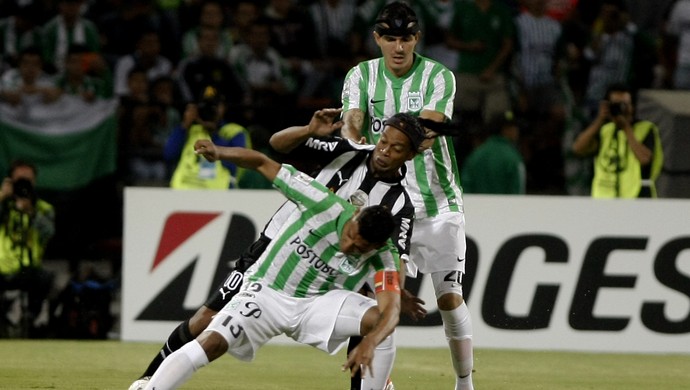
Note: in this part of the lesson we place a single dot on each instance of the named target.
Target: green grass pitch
(67, 364)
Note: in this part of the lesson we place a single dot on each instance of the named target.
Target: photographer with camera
(629, 156)
(27, 223)
(204, 120)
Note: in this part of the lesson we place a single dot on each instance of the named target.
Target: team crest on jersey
(347, 265)
(414, 101)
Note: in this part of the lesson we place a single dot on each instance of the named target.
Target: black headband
(396, 27)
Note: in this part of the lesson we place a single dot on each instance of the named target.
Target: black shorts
(231, 285)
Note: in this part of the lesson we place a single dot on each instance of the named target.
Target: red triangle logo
(178, 228)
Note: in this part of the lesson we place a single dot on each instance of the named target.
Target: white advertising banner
(548, 273)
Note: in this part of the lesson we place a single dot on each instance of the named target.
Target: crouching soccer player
(304, 283)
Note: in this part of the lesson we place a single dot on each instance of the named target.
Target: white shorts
(438, 244)
(259, 313)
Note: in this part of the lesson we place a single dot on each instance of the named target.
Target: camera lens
(616, 108)
(23, 188)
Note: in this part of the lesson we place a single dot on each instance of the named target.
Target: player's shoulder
(426, 61)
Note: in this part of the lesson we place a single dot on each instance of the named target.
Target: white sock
(458, 327)
(177, 368)
(384, 356)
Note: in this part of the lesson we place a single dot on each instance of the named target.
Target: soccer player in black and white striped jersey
(363, 174)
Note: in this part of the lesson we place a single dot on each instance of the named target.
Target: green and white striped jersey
(432, 180)
(304, 258)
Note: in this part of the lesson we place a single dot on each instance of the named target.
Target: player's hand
(322, 122)
(429, 141)
(360, 358)
(411, 306)
(207, 149)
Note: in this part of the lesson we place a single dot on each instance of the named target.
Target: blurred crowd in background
(136, 65)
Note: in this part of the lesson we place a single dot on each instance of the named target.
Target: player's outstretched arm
(245, 158)
(321, 124)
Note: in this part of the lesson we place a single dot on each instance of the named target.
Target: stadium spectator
(28, 83)
(628, 153)
(86, 75)
(610, 52)
(403, 81)
(540, 100)
(333, 21)
(27, 223)
(572, 64)
(269, 82)
(436, 17)
(147, 56)
(212, 15)
(196, 73)
(18, 31)
(126, 21)
(496, 166)
(243, 15)
(147, 118)
(164, 102)
(204, 119)
(367, 183)
(678, 38)
(291, 31)
(294, 37)
(484, 34)
(68, 27)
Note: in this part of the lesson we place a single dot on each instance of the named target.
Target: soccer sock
(384, 356)
(458, 327)
(179, 337)
(355, 381)
(178, 367)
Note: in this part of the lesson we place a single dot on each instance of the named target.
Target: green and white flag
(72, 142)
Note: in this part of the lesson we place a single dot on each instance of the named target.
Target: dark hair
(21, 163)
(410, 126)
(375, 224)
(397, 19)
(617, 87)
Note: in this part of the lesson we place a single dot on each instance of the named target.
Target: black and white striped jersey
(346, 172)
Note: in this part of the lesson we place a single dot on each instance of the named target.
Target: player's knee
(449, 301)
(213, 344)
(200, 320)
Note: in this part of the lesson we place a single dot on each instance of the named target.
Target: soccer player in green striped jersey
(403, 81)
(304, 284)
